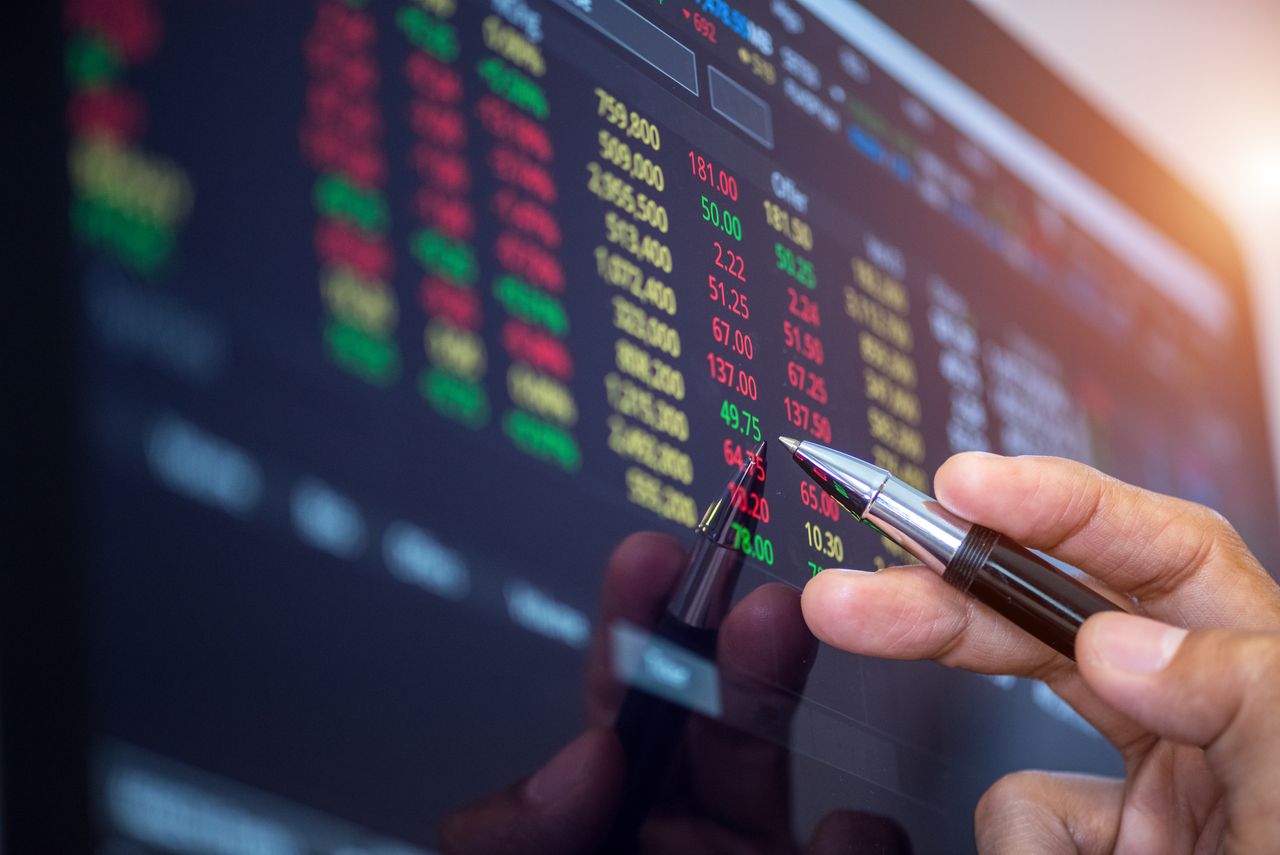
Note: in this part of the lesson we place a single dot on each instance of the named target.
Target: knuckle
(1259, 655)
(921, 628)
(1234, 691)
(1016, 815)
(951, 638)
(1008, 796)
(1196, 536)
(1215, 526)
(1054, 671)
(1084, 489)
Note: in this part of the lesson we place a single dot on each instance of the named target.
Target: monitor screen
(402, 319)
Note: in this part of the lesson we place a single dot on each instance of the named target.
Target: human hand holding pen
(1193, 713)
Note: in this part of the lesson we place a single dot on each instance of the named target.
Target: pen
(650, 728)
(1012, 580)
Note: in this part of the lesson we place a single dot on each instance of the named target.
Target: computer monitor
(393, 320)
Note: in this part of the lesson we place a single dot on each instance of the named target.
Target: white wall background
(1197, 82)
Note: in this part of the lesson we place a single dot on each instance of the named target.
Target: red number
(817, 388)
(732, 298)
(807, 419)
(716, 290)
(724, 371)
(819, 501)
(705, 170)
(733, 453)
(821, 428)
(812, 384)
(736, 340)
(705, 28)
(805, 343)
(751, 504)
(735, 456)
(730, 261)
(803, 307)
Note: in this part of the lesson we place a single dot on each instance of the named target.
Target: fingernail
(550, 783)
(1135, 644)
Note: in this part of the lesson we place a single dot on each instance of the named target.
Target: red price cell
(710, 174)
(806, 418)
(704, 27)
(810, 382)
(731, 263)
(725, 372)
(752, 504)
(804, 343)
(735, 455)
(803, 307)
(735, 339)
(818, 500)
(730, 298)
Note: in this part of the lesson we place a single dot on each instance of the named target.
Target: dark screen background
(355, 452)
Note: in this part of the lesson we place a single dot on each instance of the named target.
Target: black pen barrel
(651, 731)
(1023, 587)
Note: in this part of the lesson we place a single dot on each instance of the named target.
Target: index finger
(1181, 560)
(638, 580)
(738, 762)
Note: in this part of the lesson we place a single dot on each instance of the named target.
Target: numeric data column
(732, 352)
(878, 301)
(648, 427)
(959, 363)
(452, 380)
(341, 137)
(806, 358)
(125, 200)
(530, 282)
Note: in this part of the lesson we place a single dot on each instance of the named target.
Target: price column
(648, 427)
(529, 283)
(340, 137)
(456, 359)
(879, 302)
(731, 355)
(125, 200)
(960, 365)
(806, 357)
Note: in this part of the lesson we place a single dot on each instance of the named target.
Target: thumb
(1215, 689)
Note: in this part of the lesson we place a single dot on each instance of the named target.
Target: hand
(731, 788)
(1195, 714)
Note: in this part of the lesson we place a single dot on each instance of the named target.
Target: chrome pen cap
(915, 521)
(852, 482)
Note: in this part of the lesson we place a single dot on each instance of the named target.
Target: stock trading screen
(401, 316)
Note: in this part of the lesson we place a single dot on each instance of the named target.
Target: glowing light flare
(1253, 179)
(1266, 172)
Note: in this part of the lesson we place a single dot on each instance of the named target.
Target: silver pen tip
(789, 444)
(852, 482)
